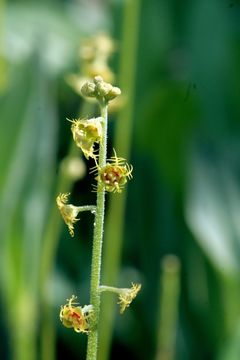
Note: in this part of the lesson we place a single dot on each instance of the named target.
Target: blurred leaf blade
(208, 215)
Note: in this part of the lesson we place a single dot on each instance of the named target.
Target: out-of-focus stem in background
(168, 308)
(114, 232)
(3, 69)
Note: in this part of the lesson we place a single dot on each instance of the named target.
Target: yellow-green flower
(69, 212)
(114, 175)
(87, 132)
(74, 316)
(126, 296)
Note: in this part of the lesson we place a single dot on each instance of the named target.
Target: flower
(126, 296)
(69, 212)
(87, 132)
(76, 317)
(114, 175)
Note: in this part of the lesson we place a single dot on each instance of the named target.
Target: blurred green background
(178, 64)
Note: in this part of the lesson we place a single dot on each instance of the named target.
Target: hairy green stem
(112, 289)
(122, 142)
(97, 243)
(91, 208)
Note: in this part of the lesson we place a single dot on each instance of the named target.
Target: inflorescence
(112, 177)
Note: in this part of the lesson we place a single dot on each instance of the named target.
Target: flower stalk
(97, 242)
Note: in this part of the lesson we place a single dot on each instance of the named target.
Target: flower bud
(113, 93)
(100, 89)
(88, 89)
(106, 90)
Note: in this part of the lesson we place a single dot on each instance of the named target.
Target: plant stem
(97, 243)
(112, 289)
(3, 69)
(24, 337)
(168, 308)
(91, 208)
(122, 142)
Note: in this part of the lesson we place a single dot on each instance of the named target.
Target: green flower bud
(100, 89)
(88, 89)
(113, 93)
